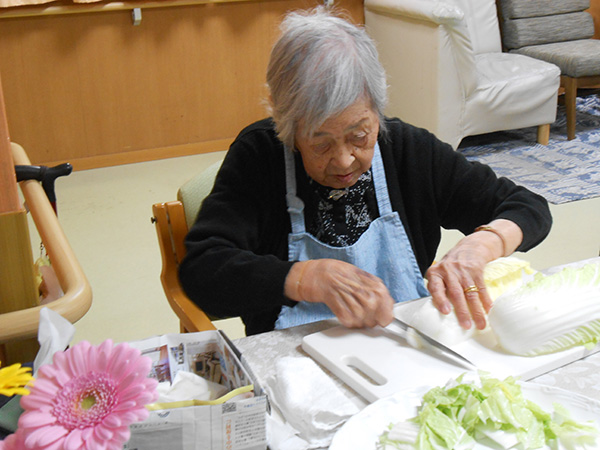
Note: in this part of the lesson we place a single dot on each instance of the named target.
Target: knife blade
(430, 342)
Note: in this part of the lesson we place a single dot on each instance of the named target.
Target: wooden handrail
(77, 297)
(52, 10)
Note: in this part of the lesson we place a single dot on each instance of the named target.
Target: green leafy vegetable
(551, 313)
(494, 413)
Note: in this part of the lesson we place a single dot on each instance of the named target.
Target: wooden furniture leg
(570, 85)
(543, 134)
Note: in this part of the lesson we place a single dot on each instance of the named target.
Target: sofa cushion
(519, 9)
(575, 58)
(519, 33)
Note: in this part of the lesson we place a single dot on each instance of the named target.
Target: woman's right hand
(357, 298)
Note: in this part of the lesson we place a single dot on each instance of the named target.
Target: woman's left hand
(457, 281)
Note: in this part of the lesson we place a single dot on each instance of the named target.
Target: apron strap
(295, 206)
(381, 188)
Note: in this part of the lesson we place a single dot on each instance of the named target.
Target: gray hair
(320, 65)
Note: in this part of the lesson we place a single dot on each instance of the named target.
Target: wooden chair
(172, 220)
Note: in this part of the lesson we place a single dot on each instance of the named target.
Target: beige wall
(94, 90)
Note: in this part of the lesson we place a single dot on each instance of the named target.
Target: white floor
(106, 212)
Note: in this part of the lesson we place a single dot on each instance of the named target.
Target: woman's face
(341, 150)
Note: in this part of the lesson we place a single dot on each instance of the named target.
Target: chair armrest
(431, 11)
(191, 317)
(77, 297)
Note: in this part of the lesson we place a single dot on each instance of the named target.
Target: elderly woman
(329, 208)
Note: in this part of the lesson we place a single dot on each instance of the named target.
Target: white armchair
(447, 72)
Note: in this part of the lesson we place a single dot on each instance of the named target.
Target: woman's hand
(357, 298)
(451, 282)
(457, 280)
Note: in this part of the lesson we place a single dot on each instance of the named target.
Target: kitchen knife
(430, 342)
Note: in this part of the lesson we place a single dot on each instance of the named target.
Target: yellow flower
(13, 380)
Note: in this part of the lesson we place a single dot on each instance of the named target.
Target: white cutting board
(377, 362)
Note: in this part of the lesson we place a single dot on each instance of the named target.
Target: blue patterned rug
(564, 171)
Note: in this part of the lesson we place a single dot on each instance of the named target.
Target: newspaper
(236, 421)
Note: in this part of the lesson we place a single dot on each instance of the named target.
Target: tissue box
(235, 421)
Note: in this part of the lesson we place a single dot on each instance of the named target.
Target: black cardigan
(237, 251)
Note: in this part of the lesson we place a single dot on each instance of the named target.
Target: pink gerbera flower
(85, 400)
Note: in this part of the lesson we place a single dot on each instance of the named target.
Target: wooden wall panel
(94, 90)
(9, 200)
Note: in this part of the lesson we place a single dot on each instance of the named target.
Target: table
(259, 352)
(582, 376)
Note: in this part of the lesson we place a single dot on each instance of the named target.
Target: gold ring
(472, 288)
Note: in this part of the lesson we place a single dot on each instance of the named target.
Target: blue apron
(382, 250)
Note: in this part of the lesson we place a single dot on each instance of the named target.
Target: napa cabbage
(501, 275)
(505, 274)
(551, 313)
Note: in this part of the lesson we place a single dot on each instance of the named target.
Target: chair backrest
(536, 22)
(192, 193)
(482, 22)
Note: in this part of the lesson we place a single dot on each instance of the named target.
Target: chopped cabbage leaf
(492, 411)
